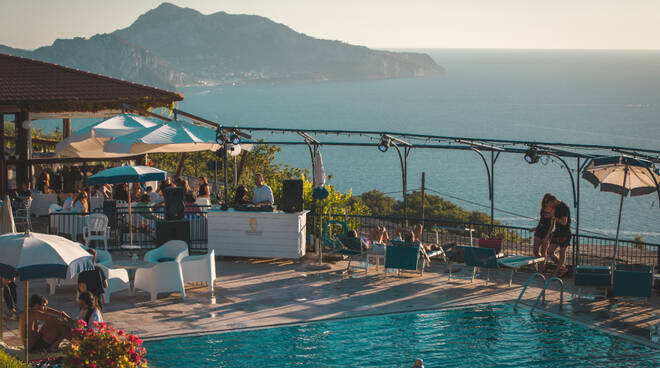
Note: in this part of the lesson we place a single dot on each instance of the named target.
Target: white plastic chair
(199, 269)
(96, 228)
(117, 281)
(161, 277)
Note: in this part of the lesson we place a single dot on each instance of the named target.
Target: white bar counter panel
(257, 234)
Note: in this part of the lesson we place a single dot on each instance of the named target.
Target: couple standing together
(553, 231)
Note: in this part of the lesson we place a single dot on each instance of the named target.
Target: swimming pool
(482, 336)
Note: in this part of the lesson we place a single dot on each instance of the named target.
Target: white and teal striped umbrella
(127, 174)
(172, 136)
(41, 256)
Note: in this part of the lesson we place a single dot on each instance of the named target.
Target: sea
(591, 97)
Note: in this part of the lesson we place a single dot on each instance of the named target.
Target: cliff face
(171, 46)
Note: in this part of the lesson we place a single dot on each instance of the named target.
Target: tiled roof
(40, 85)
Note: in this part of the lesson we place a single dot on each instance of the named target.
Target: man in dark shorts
(93, 281)
(561, 237)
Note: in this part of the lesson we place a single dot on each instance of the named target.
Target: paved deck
(255, 293)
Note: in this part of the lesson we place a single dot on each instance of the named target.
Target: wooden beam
(144, 112)
(65, 160)
(46, 142)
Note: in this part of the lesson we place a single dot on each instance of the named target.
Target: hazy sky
(555, 24)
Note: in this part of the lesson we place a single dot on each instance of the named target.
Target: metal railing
(593, 250)
(144, 224)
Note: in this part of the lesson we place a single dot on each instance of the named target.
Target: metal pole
(215, 179)
(576, 242)
(423, 188)
(225, 192)
(27, 320)
(618, 224)
(235, 173)
(492, 191)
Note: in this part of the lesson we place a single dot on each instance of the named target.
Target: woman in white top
(89, 309)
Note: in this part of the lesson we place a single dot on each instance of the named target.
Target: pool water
(483, 336)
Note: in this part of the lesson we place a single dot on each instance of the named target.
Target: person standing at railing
(543, 229)
(80, 203)
(561, 237)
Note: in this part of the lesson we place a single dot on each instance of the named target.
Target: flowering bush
(101, 346)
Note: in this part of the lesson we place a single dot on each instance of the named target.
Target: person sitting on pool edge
(263, 195)
(57, 325)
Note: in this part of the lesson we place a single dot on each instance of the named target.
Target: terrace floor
(255, 293)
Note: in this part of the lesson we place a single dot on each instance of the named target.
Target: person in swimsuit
(57, 325)
(561, 237)
(542, 230)
(204, 191)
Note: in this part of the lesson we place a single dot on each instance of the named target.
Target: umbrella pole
(618, 224)
(2, 309)
(27, 320)
(130, 221)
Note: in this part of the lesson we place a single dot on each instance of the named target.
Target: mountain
(171, 46)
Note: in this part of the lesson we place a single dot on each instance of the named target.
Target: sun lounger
(593, 277)
(404, 257)
(632, 281)
(351, 247)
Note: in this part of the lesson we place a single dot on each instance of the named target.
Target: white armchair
(166, 252)
(199, 269)
(117, 281)
(96, 228)
(161, 277)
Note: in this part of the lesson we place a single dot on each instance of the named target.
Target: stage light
(220, 137)
(532, 155)
(384, 144)
(235, 139)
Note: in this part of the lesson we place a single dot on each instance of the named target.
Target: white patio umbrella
(88, 142)
(173, 136)
(40, 256)
(7, 224)
(622, 175)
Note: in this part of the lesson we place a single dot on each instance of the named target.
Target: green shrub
(8, 361)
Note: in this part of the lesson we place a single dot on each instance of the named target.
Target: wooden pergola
(32, 90)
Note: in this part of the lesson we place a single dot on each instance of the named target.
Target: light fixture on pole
(235, 139)
(220, 137)
(532, 155)
(384, 144)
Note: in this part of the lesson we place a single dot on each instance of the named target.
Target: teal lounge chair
(593, 277)
(351, 247)
(401, 256)
(632, 281)
(329, 241)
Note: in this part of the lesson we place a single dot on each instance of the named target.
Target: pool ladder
(542, 294)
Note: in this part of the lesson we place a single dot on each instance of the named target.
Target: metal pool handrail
(542, 294)
(515, 305)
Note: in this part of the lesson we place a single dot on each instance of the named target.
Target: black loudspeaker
(110, 210)
(174, 206)
(172, 230)
(292, 196)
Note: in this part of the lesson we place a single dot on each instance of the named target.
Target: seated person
(240, 196)
(142, 208)
(155, 199)
(93, 281)
(89, 309)
(57, 325)
(191, 202)
(378, 235)
(263, 195)
(415, 235)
